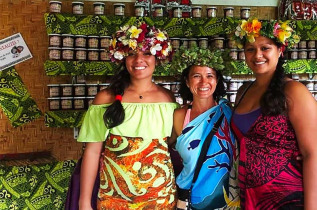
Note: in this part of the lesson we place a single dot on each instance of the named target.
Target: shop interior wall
(26, 17)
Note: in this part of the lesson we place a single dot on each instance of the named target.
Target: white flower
(125, 42)
(118, 55)
(155, 48)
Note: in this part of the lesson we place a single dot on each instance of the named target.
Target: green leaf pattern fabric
(15, 100)
(42, 186)
(68, 119)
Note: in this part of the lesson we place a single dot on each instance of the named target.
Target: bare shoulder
(104, 97)
(296, 90)
(165, 95)
(241, 90)
(178, 120)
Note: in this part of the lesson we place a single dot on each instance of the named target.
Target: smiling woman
(133, 117)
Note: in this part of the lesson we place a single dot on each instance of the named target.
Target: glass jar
(54, 103)
(219, 42)
(139, 10)
(66, 89)
(54, 53)
(184, 42)
(104, 55)
(80, 41)
(158, 10)
(232, 44)
(203, 43)
(99, 8)
(79, 102)
(68, 40)
(234, 54)
(211, 12)
(93, 54)
(311, 54)
(311, 44)
(78, 7)
(293, 54)
(232, 98)
(302, 54)
(93, 42)
(67, 103)
(54, 40)
(175, 43)
(89, 100)
(196, 11)
(177, 11)
(79, 89)
(310, 85)
(53, 90)
(315, 86)
(241, 55)
(92, 89)
(80, 54)
(302, 44)
(245, 12)
(233, 86)
(119, 9)
(67, 54)
(192, 42)
(105, 41)
(228, 12)
(55, 6)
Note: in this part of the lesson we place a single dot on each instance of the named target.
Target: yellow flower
(114, 42)
(161, 36)
(135, 32)
(133, 44)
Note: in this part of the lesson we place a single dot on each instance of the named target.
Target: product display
(80, 41)
(78, 7)
(139, 10)
(196, 11)
(68, 40)
(54, 40)
(211, 12)
(99, 8)
(54, 53)
(119, 9)
(228, 12)
(55, 6)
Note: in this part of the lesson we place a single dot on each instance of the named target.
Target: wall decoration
(15, 100)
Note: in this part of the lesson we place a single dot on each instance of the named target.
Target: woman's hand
(181, 204)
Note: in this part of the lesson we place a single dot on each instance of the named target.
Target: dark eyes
(253, 49)
(133, 53)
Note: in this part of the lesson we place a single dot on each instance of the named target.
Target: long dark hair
(114, 114)
(273, 101)
(185, 93)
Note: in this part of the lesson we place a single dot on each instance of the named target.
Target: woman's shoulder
(104, 96)
(294, 88)
(164, 94)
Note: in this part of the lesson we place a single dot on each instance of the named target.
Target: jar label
(55, 54)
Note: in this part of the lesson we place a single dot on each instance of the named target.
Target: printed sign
(13, 50)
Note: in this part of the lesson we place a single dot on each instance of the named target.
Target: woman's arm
(178, 120)
(88, 173)
(302, 111)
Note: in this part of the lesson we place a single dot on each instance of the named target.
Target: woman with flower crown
(202, 84)
(133, 117)
(275, 121)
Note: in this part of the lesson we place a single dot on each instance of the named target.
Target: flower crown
(215, 59)
(280, 31)
(141, 38)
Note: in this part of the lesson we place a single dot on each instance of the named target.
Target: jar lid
(196, 7)
(139, 5)
(67, 48)
(53, 85)
(93, 37)
(67, 98)
(119, 4)
(66, 84)
(79, 98)
(158, 6)
(54, 48)
(184, 39)
(203, 38)
(98, 3)
(93, 49)
(302, 50)
(78, 2)
(103, 84)
(218, 38)
(54, 98)
(311, 49)
(212, 7)
(80, 49)
(80, 36)
(177, 6)
(71, 35)
(58, 2)
(105, 37)
(192, 39)
(228, 8)
(92, 84)
(79, 84)
(90, 97)
(174, 38)
(245, 8)
(233, 50)
(54, 35)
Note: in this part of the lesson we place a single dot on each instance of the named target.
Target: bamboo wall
(26, 17)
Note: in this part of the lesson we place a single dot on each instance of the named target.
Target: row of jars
(78, 7)
(69, 103)
(78, 54)
(295, 54)
(67, 90)
(79, 41)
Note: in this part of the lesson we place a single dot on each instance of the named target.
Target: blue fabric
(211, 188)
